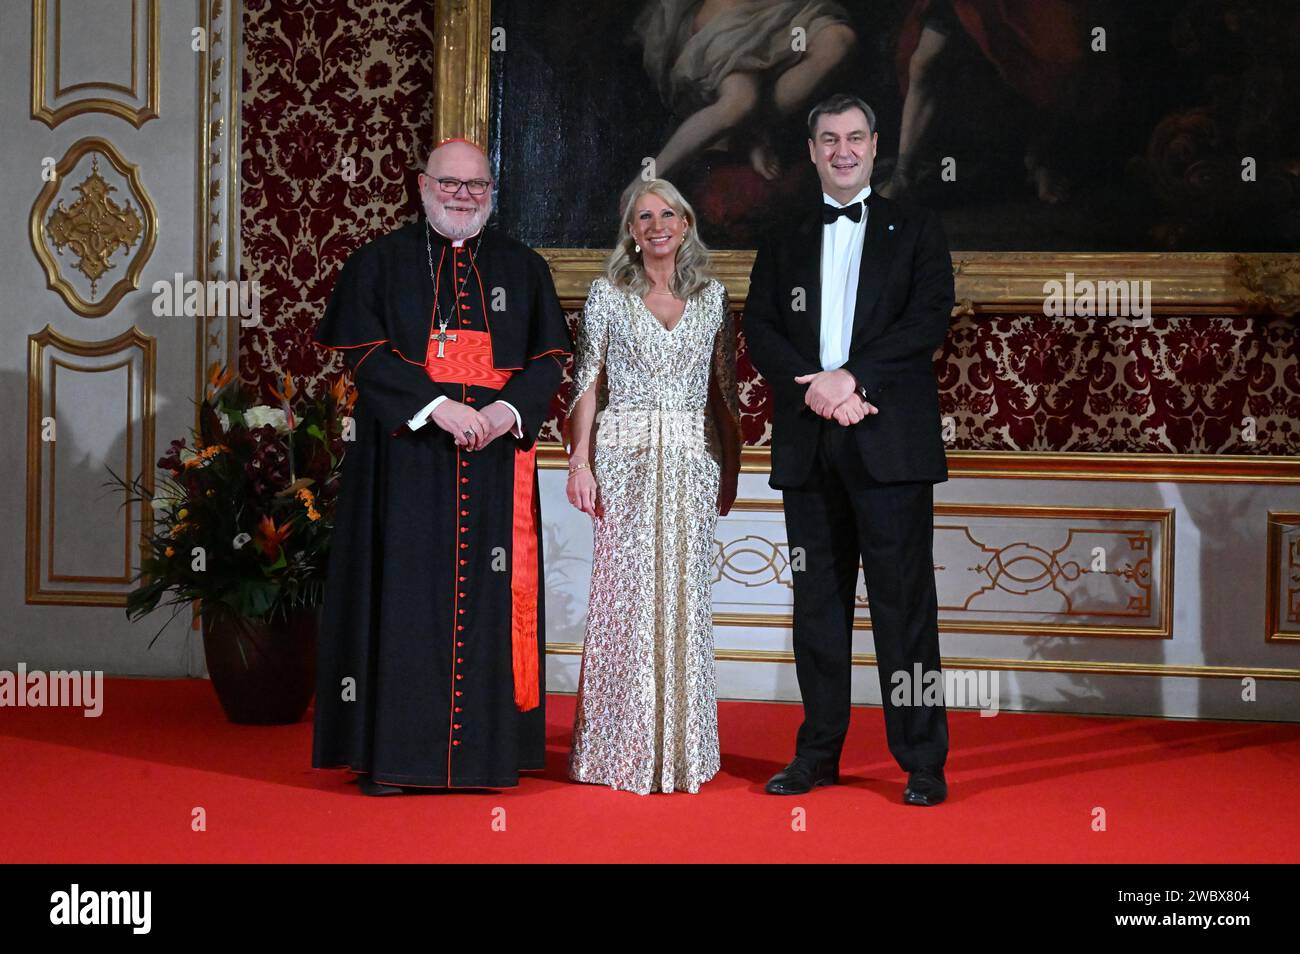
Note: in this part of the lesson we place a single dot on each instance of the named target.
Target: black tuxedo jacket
(904, 303)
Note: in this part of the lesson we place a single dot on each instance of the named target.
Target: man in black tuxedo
(844, 316)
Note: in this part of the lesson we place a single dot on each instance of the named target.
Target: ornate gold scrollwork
(95, 228)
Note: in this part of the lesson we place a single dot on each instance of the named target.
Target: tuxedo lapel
(806, 273)
(878, 247)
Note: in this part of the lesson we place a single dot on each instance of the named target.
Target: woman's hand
(583, 492)
(727, 490)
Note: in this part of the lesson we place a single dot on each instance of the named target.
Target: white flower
(224, 419)
(263, 414)
(241, 540)
(163, 504)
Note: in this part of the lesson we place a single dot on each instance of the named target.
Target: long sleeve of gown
(529, 392)
(722, 381)
(591, 344)
(390, 388)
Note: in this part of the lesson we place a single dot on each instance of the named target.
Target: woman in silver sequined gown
(661, 466)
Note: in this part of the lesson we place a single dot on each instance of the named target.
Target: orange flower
(288, 391)
(344, 393)
(309, 500)
(218, 378)
(170, 551)
(269, 536)
(206, 454)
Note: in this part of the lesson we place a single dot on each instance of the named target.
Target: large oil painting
(1033, 125)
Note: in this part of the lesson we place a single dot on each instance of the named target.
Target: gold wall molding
(1282, 573)
(1164, 468)
(47, 52)
(1149, 570)
(94, 228)
(140, 358)
(1073, 667)
(1044, 465)
(1182, 283)
(216, 222)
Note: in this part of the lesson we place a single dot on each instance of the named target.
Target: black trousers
(837, 517)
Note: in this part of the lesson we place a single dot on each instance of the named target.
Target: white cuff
(419, 420)
(519, 421)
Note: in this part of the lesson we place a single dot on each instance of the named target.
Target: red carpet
(1023, 788)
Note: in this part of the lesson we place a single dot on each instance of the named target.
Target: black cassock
(434, 604)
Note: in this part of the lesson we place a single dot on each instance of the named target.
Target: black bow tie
(830, 213)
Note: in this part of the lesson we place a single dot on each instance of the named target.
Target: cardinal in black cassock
(431, 657)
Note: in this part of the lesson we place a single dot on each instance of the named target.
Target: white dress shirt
(841, 257)
(422, 417)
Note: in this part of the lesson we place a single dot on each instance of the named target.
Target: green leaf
(252, 597)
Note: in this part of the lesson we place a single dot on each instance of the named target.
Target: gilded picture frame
(1182, 284)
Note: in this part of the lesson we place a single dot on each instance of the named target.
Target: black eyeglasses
(452, 186)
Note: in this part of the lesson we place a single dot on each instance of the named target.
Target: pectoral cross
(441, 337)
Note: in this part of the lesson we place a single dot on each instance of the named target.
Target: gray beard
(444, 227)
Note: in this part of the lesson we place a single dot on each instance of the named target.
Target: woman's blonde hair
(625, 269)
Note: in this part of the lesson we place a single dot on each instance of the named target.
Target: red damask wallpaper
(327, 81)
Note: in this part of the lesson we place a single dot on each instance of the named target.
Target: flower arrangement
(243, 518)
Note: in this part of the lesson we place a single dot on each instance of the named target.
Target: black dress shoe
(803, 776)
(925, 787)
(369, 786)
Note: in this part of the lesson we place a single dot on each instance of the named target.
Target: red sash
(468, 360)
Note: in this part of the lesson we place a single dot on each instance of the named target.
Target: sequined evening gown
(647, 714)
